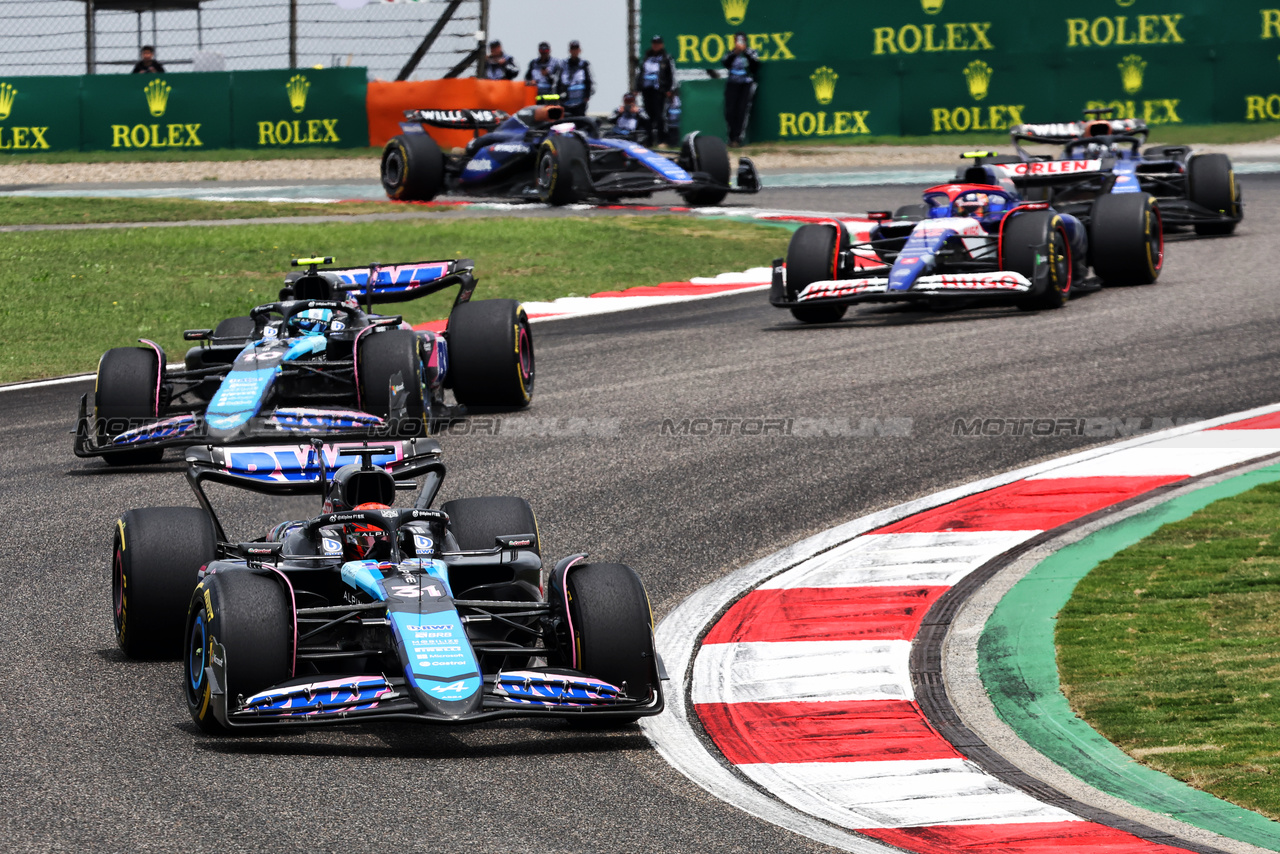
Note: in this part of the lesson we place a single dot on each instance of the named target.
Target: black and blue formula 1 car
(369, 611)
(968, 243)
(1103, 156)
(317, 362)
(539, 154)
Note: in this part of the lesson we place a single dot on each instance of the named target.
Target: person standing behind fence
(544, 72)
(740, 89)
(498, 65)
(655, 82)
(575, 82)
(147, 63)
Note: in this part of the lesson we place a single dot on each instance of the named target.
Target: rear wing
(399, 282)
(308, 468)
(458, 119)
(1060, 133)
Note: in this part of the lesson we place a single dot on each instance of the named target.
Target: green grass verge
(19, 210)
(201, 155)
(1171, 649)
(69, 296)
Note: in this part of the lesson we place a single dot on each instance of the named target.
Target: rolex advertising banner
(39, 114)
(284, 109)
(188, 111)
(839, 69)
(155, 112)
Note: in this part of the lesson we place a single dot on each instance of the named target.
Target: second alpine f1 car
(540, 154)
(970, 242)
(1107, 156)
(317, 362)
(368, 611)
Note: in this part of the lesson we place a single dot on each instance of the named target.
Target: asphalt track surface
(98, 753)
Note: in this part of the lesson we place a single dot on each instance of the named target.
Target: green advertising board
(131, 112)
(189, 111)
(282, 109)
(39, 114)
(843, 69)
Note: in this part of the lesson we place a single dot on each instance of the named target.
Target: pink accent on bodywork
(293, 609)
(355, 362)
(569, 614)
(159, 374)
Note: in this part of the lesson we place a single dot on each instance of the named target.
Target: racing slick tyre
(476, 522)
(612, 627)
(812, 256)
(562, 176)
(412, 168)
(709, 155)
(248, 615)
(236, 330)
(1126, 239)
(157, 553)
(1211, 182)
(491, 353)
(127, 392)
(389, 377)
(1035, 244)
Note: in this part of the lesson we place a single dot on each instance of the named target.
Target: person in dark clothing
(498, 65)
(629, 121)
(743, 65)
(544, 72)
(147, 64)
(575, 86)
(655, 82)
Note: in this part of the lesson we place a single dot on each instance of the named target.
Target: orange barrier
(387, 100)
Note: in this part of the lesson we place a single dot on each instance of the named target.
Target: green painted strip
(1018, 666)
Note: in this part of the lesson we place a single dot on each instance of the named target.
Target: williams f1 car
(371, 612)
(317, 362)
(970, 242)
(540, 154)
(1106, 156)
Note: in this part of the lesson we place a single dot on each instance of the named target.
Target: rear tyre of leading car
(563, 175)
(709, 155)
(412, 168)
(813, 256)
(389, 374)
(1211, 182)
(491, 353)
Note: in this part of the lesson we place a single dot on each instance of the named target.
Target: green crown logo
(978, 75)
(932, 7)
(1131, 68)
(7, 94)
(297, 87)
(734, 10)
(824, 84)
(157, 92)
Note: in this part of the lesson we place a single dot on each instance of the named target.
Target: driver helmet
(973, 204)
(363, 540)
(313, 321)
